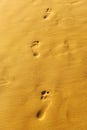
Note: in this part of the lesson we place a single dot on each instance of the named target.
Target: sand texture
(43, 64)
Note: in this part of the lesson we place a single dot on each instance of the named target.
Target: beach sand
(43, 65)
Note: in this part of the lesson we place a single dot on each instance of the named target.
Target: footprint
(48, 12)
(44, 94)
(35, 48)
(35, 43)
(41, 114)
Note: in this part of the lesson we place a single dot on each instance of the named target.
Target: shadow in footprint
(48, 12)
(42, 112)
(39, 114)
(44, 94)
(34, 46)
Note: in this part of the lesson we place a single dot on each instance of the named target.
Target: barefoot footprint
(47, 102)
(44, 94)
(48, 12)
(34, 46)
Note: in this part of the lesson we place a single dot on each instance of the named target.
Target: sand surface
(43, 64)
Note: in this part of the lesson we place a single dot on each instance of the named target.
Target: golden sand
(43, 64)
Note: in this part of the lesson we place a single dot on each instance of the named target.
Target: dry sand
(43, 64)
